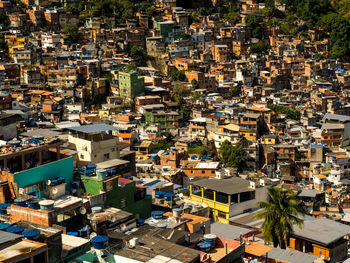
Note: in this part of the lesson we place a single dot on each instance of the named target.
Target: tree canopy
(281, 211)
(280, 109)
(71, 31)
(178, 75)
(233, 155)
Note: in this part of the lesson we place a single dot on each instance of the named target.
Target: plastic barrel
(89, 172)
(111, 172)
(159, 194)
(4, 226)
(21, 202)
(83, 231)
(34, 203)
(99, 242)
(15, 229)
(210, 239)
(14, 143)
(75, 234)
(3, 208)
(140, 221)
(168, 196)
(203, 246)
(31, 234)
(90, 166)
(157, 214)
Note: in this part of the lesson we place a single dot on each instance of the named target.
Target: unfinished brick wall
(45, 218)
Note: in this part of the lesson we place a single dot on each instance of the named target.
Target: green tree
(201, 150)
(235, 91)
(71, 31)
(254, 21)
(163, 145)
(195, 84)
(178, 75)
(259, 47)
(281, 211)
(233, 155)
(133, 67)
(179, 92)
(232, 17)
(292, 114)
(138, 53)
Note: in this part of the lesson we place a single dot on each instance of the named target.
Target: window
(196, 190)
(234, 199)
(208, 194)
(221, 198)
(213, 172)
(221, 214)
(203, 172)
(106, 156)
(81, 156)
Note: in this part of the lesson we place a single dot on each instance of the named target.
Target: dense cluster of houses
(110, 144)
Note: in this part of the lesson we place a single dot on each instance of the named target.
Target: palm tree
(282, 210)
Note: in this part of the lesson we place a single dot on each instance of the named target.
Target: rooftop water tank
(46, 205)
(31, 234)
(99, 242)
(15, 229)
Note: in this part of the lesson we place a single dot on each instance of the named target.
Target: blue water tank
(15, 229)
(157, 214)
(4, 226)
(31, 234)
(3, 208)
(99, 242)
(168, 196)
(21, 202)
(204, 246)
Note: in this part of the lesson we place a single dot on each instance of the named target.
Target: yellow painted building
(14, 41)
(249, 135)
(226, 197)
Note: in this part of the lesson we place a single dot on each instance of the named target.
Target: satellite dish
(21, 191)
(74, 191)
(54, 190)
(92, 235)
(48, 182)
(82, 210)
(113, 219)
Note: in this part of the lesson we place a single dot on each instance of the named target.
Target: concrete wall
(9, 131)
(94, 151)
(260, 195)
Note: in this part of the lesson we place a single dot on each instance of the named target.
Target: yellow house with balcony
(227, 197)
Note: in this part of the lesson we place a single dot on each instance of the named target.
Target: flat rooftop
(323, 231)
(151, 247)
(229, 186)
(19, 249)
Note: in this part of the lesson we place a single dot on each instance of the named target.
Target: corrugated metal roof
(228, 231)
(291, 256)
(323, 230)
(93, 128)
(6, 237)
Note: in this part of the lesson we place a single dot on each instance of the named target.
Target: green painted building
(34, 180)
(130, 84)
(120, 193)
(165, 27)
(156, 118)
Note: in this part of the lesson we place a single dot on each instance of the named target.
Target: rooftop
(229, 186)
(93, 128)
(323, 230)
